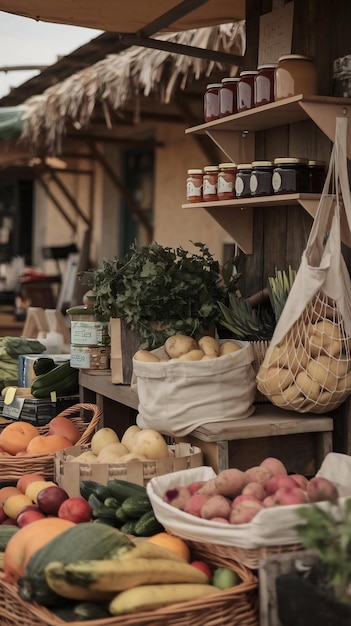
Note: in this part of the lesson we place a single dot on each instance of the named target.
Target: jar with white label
(242, 181)
(194, 183)
(209, 192)
(86, 328)
(226, 181)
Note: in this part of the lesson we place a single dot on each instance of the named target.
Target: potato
(209, 345)
(193, 355)
(319, 371)
(216, 506)
(177, 345)
(85, 457)
(230, 482)
(145, 355)
(208, 357)
(310, 388)
(129, 435)
(111, 453)
(227, 347)
(275, 380)
(150, 443)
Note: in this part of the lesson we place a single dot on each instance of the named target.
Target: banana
(151, 597)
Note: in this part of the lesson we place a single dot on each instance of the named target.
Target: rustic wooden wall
(280, 233)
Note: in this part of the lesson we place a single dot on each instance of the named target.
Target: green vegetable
(122, 489)
(63, 379)
(147, 525)
(136, 506)
(159, 291)
(224, 578)
(42, 365)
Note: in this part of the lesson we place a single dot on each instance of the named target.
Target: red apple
(201, 565)
(75, 509)
(50, 499)
(27, 516)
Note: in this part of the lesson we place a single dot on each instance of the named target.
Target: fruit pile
(236, 497)
(24, 439)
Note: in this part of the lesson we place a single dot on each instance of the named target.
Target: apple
(75, 509)
(203, 567)
(50, 499)
(27, 516)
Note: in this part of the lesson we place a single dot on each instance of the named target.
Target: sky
(24, 41)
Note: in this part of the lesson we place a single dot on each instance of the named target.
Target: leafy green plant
(327, 533)
(159, 291)
(279, 287)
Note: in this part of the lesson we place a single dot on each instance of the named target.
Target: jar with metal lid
(242, 181)
(295, 74)
(290, 175)
(264, 84)
(226, 181)
(245, 94)
(316, 175)
(209, 193)
(194, 184)
(211, 102)
(86, 327)
(228, 97)
(261, 178)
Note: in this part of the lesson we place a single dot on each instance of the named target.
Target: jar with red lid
(228, 97)
(245, 94)
(210, 184)
(226, 181)
(295, 74)
(242, 181)
(211, 102)
(194, 184)
(264, 84)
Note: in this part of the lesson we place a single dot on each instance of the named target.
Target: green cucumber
(112, 502)
(95, 502)
(43, 365)
(63, 387)
(121, 515)
(129, 527)
(87, 487)
(51, 378)
(104, 511)
(123, 489)
(147, 525)
(136, 506)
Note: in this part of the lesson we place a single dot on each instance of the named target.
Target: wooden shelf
(236, 216)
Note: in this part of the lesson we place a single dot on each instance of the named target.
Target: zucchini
(50, 378)
(62, 387)
(148, 525)
(122, 489)
(6, 532)
(43, 365)
(95, 502)
(87, 487)
(136, 506)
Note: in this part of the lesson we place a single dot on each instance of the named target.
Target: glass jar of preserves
(245, 94)
(194, 184)
(242, 181)
(290, 175)
(211, 102)
(226, 181)
(316, 175)
(209, 192)
(295, 74)
(228, 97)
(264, 84)
(261, 178)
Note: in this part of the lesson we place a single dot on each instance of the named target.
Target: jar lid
(267, 66)
(211, 168)
(244, 166)
(301, 57)
(227, 165)
(212, 85)
(262, 163)
(230, 80)
(320, 163)
(291, 160)
(248, 73)
(81, 310)
(196, 171)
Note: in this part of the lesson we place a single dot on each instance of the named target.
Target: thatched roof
(118, 78)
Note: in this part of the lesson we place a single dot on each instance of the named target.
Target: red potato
(177, 496)
(290, 495)
(195, 503)
(242, 497)
(254, 489)
(242, 514)
(280, 480)
(269, 502)
(195, 486)
(258, 474)
(208, 488)
(220, 520)
(301, 480)
(275, 465)
(230, 482)
(216, 506)
(320, 488)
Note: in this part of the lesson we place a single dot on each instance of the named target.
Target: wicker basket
(237, 606)
(12, 468)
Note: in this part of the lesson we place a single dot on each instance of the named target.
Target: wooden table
(301, 441)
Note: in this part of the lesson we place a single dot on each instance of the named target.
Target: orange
(16, 436)
(47, 444)
(26, 479)
(172, 543)
(6, 492)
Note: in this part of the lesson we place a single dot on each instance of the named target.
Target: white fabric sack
(307, 365)
(175, 397)
(270, 527)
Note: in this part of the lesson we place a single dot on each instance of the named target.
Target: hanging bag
(307, 366)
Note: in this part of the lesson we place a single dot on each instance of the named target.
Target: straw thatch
(121, 77)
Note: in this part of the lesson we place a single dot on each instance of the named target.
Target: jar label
(276, 181)
(225, 185)
(239, 186)
(209, 188)
(90, 333)
(253, 183)
(193, 190)
(89, 358)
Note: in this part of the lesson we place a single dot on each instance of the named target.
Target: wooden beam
(206, 145)
(58, 205)
(68, 194)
